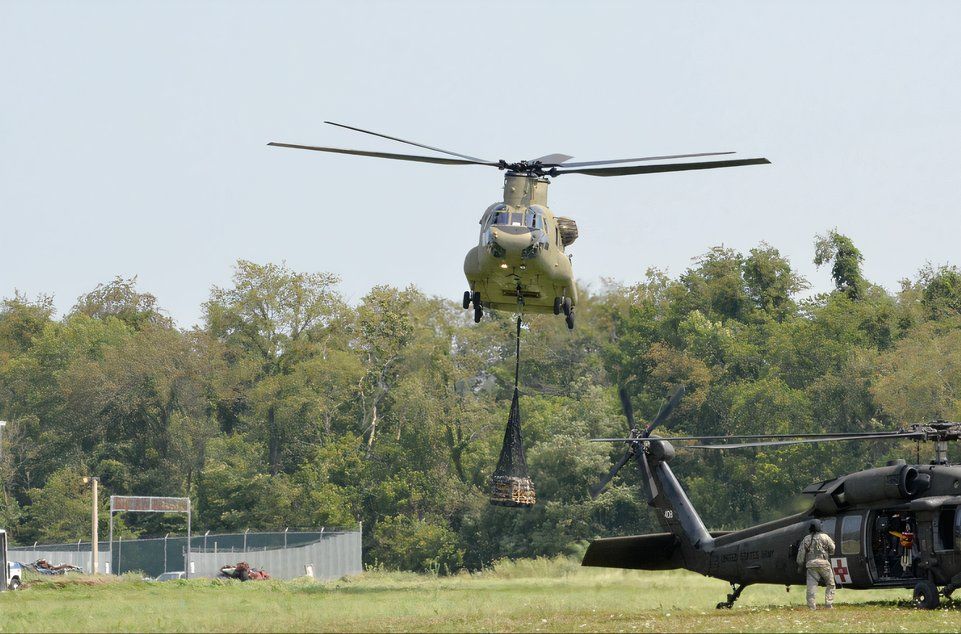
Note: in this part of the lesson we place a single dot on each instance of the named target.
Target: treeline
(289, 407)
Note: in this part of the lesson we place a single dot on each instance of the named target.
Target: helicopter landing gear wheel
(731, 598)
(566, 306)
(467, 299)
(570, 320)
(557, 305)
(475, 299)
(926, 596)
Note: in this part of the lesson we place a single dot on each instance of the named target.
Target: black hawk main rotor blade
(426, 147)
(833, 435)
(782, 443)
(387, 155)
(661, 167)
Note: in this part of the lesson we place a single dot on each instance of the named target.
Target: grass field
(538, 596)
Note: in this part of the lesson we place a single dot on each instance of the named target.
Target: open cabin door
(893, 556)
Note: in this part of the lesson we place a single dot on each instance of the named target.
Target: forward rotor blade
(643, 158)
(610, 476)
(662, 167)
(393, 138)
(665, 411)
(782, 443)
(387, 155)
(628, 408)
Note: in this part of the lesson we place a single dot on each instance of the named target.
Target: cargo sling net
(510, 484)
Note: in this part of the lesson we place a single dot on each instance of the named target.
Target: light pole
(3, 424)
(94, 543)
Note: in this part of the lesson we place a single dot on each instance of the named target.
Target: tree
(121, 299)
(271, 320)
(771, 283)
(845, 258)
(942, 291)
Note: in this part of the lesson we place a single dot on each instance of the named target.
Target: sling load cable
(510, 483)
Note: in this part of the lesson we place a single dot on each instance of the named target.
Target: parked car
(170, 576)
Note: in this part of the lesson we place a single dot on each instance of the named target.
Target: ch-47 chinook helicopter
(897, 526)
(520, 261)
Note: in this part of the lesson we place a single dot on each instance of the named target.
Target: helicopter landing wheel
(557, 305)
(475, 299)
(478, 312)
(731, 598)
(566, 305)
(570, 320)
(467, 299)
(926, 596)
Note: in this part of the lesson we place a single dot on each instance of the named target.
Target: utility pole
(94, 541)
(3, 483)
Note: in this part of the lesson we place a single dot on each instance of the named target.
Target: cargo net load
(510, 484)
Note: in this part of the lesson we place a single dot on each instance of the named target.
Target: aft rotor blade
(661, 167)
(665, 411)
(610, 476)
(666, 157)
(393, 138)
(386, 155)
(782, 443)
(628, 408)
(552, 160)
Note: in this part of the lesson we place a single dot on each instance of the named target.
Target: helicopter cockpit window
(828, 525)
(499, 215)
(534, 218)
(851, 535)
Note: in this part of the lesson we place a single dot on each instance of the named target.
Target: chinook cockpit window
(534, 217)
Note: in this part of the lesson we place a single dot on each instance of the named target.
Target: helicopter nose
(512, 239)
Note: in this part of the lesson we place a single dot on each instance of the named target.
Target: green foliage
(409, 543)
(845, 258)
(291, 408)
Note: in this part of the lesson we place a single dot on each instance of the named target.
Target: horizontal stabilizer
(658, 551)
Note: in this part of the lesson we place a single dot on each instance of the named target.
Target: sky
(133, 136)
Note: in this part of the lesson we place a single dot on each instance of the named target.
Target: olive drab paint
(520, 261)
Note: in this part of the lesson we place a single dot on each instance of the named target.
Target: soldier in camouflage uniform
(814, 555)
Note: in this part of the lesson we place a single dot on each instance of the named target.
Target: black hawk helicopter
(896, 526)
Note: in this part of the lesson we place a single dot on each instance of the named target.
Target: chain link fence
(324, 554)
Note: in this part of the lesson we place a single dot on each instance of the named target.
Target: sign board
(149, 504)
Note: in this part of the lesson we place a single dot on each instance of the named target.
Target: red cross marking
(841, 572)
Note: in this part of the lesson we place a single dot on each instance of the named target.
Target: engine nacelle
(894, 482)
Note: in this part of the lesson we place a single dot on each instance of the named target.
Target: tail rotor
(635, 438)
